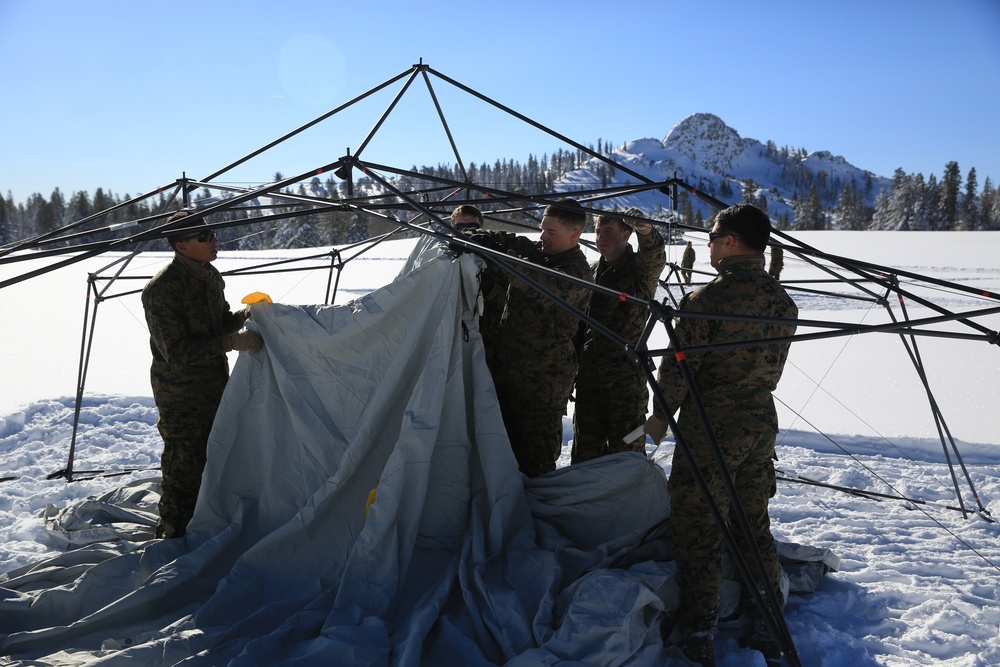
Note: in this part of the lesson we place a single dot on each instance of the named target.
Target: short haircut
(747, 222)
(467, 209)
(611, 218)
(568, 211)
(172, 239)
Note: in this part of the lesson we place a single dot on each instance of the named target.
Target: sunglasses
(200, 237)
(462, 226)
(712, 236)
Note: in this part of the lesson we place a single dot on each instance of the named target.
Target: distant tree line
(818, 202)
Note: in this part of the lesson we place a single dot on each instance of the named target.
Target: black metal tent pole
(89, 329)
(878, 274)
(791, 476)
(771, 605)
(189, 224)
(85, 343)
(944, 433)
(837, 329)
(57, 235)
(764, 594)
(444, 122)
(308, 125)
(539, 126)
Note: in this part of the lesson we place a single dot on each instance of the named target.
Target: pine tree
(948, 205)
(932, 203)
(989, 206)
(762, 202)
(845, 213)
(970, 209)
(6, 233)
(919, 218)
(809, 212)
(882, 218)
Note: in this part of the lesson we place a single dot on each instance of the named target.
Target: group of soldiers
(538, 351)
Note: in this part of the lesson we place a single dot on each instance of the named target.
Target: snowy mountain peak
(705, 139)
(703, 151)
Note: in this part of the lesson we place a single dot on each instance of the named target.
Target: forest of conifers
(910, 203)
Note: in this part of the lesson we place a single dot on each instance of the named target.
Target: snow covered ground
(919, 582)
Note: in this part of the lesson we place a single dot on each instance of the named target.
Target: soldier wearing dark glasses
(191, 328)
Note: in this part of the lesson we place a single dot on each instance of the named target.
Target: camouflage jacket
(188, 319)
(603, 362)
(534, 345)
(687, 259)
(735, 384)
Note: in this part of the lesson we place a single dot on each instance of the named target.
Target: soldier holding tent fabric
(611, 393)
(190, 330)
(468, 219)
(735, 386)
(533, 361)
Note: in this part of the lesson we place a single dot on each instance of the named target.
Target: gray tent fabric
(457, 560)
(126, 513)
(283, 565)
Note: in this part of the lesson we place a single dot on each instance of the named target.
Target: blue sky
(129, 96)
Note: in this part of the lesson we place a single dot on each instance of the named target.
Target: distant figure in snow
(777, 262)
(687, 262)
(735, 386)
(611, 392)
(190, 330)
(533, 360)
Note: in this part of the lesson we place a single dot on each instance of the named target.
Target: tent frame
(860, 276)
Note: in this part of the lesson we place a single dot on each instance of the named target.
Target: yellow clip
(256, 297)
(371, 499)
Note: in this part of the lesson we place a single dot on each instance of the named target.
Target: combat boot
(759, 639)
(700, 649)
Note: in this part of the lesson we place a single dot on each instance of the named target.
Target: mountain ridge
(706, 153)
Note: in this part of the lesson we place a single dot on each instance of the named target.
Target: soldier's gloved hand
(456, 248)
(483, 240)
(246, 341)
(656, 428)
(631, 220)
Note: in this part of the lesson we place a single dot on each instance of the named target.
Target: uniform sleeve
(690, 331)
(528, 250)
(167, 316)
(650, 260)
(232, 322)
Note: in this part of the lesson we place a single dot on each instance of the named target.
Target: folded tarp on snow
(457, 561)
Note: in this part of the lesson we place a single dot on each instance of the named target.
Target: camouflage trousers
(604, 415)
(535, 432)
(698, 540)
(185, 444)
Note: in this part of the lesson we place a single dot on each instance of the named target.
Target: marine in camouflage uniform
(189, 325)
(736, 388)
(468, 219)
(687, 262)
(533, 360)
(611, 392)
(777, 262)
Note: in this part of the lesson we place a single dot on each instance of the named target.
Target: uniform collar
(197, 269)
(741, 261)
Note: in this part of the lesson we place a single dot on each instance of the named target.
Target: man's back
(740, 379)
